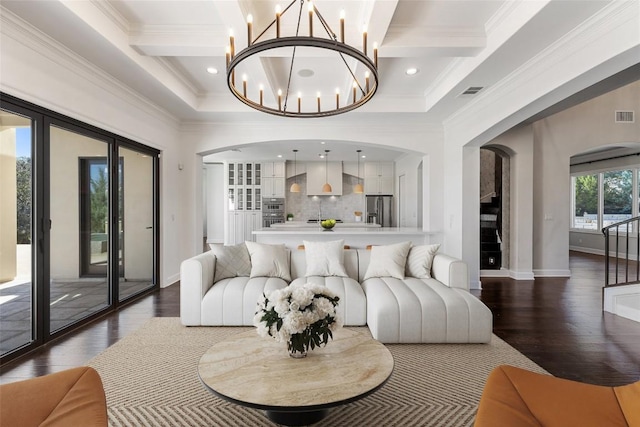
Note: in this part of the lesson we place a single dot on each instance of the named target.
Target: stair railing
(631, 229)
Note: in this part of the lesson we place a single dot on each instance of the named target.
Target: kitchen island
(356, 237)
(307, 225)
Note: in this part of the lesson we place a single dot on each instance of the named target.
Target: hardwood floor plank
(556, 322)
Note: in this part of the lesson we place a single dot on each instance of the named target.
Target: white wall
(38, 70)
(554, 140)
(215, 201)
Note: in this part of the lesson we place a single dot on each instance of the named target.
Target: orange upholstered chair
(74, 397)
(516, 397)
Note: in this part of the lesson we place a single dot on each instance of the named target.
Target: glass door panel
(16, 283)
(136, 219)
(79, 236)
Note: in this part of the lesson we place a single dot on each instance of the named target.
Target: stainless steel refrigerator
(380, 210)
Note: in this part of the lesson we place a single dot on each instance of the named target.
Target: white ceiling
(161, 49)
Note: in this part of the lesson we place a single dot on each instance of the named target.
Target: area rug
(150, 378)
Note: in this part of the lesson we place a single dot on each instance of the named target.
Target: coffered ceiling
(161, 49)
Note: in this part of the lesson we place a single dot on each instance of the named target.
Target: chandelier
(363, 85)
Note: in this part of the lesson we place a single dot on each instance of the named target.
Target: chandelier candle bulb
(249, 29)
(244, 85)
(342, 26)
(366, 81)
(364, 40)
(310, 19)
(261, 94)
(299, 103)
(355, 85)
(278, 12)
(228, 55)
(337, 98)
(232, 44)
(375, 54)
(318, 102)
(280, 99)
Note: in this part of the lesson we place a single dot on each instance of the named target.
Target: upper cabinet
(378, 178)
(318, 175)
(244, 186)
(273, 180)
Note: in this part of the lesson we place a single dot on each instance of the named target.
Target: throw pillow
(388, 261)
(419, 261)
(231, 261)
(325, 258)
(269, 260)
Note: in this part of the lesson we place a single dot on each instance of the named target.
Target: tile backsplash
(305, 207)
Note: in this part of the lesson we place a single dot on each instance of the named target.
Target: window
(605, 198)
(617, 197)
(585, 202)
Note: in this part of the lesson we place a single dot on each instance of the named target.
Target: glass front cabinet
(244, 186)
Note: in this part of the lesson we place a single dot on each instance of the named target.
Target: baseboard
(587, 250)
(516, 275)
(171, 280)
(552, 273)
(475, 284)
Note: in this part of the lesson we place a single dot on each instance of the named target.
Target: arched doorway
(494, 208)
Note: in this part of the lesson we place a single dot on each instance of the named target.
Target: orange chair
(74, 397)
(516, 397)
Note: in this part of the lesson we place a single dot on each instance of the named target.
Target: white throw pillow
(231, 261)
(419, 261)
(325, 258)
(388, 261)
(269, 261)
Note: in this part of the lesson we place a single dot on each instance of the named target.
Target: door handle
(149, 228)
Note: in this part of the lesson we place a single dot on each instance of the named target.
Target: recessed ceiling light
(411, 71)
(279, 156)
(212, 70)
(322, 142)
(364, 157)
(305, 73)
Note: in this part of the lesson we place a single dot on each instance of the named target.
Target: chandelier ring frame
(303, 41)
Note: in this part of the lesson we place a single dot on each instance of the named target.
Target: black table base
(297, 418)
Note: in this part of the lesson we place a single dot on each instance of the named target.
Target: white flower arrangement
(304, 316)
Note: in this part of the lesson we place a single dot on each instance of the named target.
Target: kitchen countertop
(304, 224)
(342, 230)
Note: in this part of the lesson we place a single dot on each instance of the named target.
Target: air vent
(472, 90)
(625, 117)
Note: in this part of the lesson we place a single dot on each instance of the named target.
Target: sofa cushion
(231, 261)
(232, 301)
(269, 260)
(352, 306)
(419, 261)
(388, 261)
(325, 258)
(424, 311)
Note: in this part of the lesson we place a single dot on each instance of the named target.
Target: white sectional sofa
(397, 310)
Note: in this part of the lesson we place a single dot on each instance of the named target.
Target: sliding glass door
(78, 224)
(16, 232)
(136, 231)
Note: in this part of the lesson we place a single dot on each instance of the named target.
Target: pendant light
(295, 187)
(326, 188)
(358, 189)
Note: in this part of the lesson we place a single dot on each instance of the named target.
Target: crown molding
(24, 33)
(596, 29)
(112, 14)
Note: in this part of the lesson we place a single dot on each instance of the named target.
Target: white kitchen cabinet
(252, 221)
(273, 169)
(273, 187)
(235, 228)
(378, 178)
(318, 175)
(273, 180)
(240, 226)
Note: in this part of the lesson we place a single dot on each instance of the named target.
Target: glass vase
(297, 354)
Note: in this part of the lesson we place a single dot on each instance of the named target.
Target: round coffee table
(257, 372)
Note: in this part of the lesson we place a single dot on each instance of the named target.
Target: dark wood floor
(558, 323)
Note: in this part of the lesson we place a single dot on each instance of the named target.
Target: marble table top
(258, 372)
